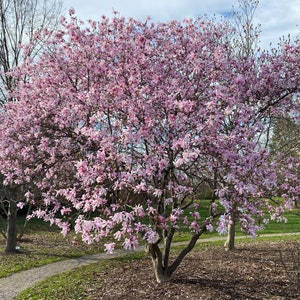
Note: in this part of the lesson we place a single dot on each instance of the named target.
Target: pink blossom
(150, 236)
(118, 217)
(210, 227)
(194, 226)
(139, 211)
(173, 218)
(139, 227)
(20, 205)
(185, 220)
(65, 210)
(118, 235)
(196, 215)
(71, 11)
(222, 225)
(130, 243)
(109, 248)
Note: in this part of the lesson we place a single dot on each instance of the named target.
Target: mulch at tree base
(252, 271)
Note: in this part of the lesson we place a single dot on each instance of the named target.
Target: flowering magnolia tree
(122, 122)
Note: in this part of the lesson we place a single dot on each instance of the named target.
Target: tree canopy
(121, 122)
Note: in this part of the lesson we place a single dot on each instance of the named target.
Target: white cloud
(278, 18)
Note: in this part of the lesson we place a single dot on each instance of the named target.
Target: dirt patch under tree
(253, 271)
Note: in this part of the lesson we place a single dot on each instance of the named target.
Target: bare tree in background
(246, 38)
(20, 20)
(286, 137)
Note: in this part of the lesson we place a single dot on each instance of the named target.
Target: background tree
(246, 34)
(125, 120)
(285, 143)
(21, 23)
(244, 38)
(245, 44)
(286, 137)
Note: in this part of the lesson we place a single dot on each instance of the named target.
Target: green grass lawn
(43, 244)
(292, 225)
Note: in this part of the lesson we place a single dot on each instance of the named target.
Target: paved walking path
(12, 285)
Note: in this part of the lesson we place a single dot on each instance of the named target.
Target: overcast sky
(277, 17)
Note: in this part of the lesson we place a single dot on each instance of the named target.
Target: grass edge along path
(14, 284)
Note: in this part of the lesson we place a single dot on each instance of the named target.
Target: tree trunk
(11, 234)
(159, 272)
(162, 270)
(24, 227)
(157, 260)
(229, 244)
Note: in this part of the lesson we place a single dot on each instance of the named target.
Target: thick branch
(185, 251)
(167, 246)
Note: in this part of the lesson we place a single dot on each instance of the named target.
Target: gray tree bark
(229, 244)
(11, 232)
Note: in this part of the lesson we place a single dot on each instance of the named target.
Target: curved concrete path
(12, 285)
